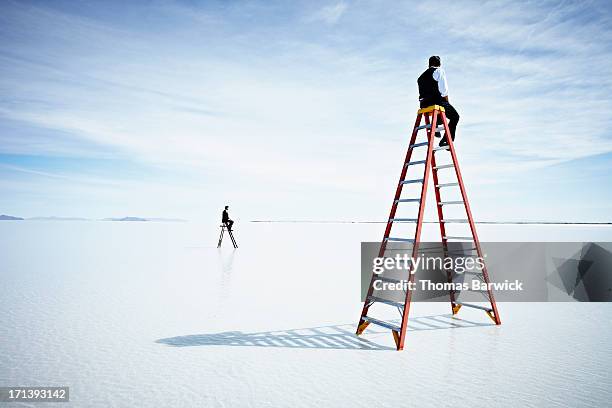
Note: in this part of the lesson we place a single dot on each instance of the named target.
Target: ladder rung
(418, 145)
(403, 220)
(408, 200)
(449, 202)
(390, 280)
(488, 309)
(444, 166)
(462, 251)
(385, 301)
(415, 162)
(457, 220)
(399, 239)
(441, 148)
(447, 185)
(438, 128)
(462, 238)
(381, 323)
(411, 181)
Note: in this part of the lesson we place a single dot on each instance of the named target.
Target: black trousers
(229, 224)
(452, 116)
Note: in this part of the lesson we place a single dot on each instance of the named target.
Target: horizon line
(436, 222)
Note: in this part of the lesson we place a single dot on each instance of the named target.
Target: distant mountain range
(145, 219)
(4, 217)
(58, 219)
(9, 218)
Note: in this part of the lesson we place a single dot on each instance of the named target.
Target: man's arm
(440, 76)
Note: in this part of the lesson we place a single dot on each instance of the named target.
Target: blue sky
(298, 110)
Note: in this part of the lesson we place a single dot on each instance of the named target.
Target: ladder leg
(231, 234)
(383, 245)
(485, 274)
(220, 238)
(417, 233)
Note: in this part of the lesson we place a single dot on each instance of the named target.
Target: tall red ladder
(431, 115)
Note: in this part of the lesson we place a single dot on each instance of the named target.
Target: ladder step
(415, 162)
(385, 301)
(454, 220)
(460, 238)
(446, 185)
(403, 220)
(462, 252)
(408, 200)
(390, 280)
(381, 323)
(441, 148)
(411, 181)
(399, 239)
(418, 145)
(444, 166)
(438, 129)
(449, 202)
(487, 309)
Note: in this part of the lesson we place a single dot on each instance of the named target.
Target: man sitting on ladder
(433, 90)
(225, 219)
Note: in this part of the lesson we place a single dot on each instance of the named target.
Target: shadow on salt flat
(322, 337)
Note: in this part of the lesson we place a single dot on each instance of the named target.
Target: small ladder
(431, 115)
(230, 232)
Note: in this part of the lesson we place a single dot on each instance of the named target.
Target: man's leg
(452, 116)
(229, 224)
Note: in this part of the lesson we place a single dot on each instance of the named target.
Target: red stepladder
(430, 116)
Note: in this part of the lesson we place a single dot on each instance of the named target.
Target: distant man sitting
(433, 90)
(225, 219)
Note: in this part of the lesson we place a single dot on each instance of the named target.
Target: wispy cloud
(330, 14)
(255, 103)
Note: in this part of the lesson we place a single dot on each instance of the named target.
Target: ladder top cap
(431, 109)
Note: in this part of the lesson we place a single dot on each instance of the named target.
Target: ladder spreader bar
(385, 301)
(446, 185)
(449, 202)
(381, 323)
(487, 309)
(399, 239)
(411, 181)
(403, 220)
